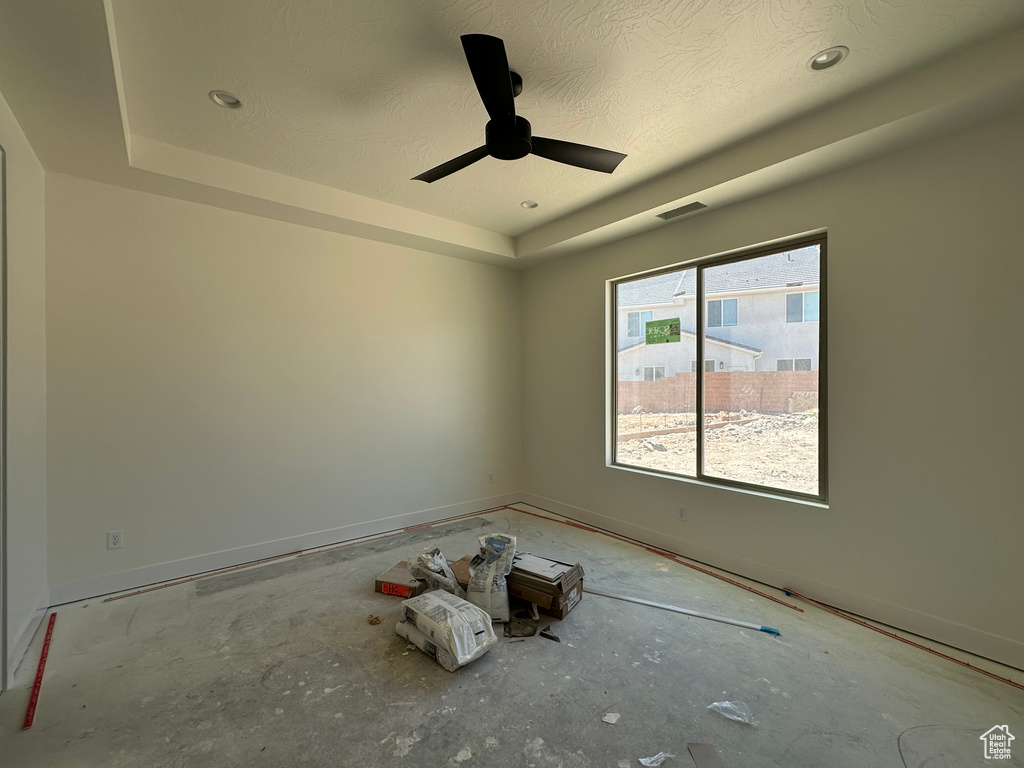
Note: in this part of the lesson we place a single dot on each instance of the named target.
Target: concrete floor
(277, 665)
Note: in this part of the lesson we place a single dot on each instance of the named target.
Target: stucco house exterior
(762, 315)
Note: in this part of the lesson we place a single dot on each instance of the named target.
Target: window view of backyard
(760, 326)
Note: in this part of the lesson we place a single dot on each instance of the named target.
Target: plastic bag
(434, 569)
(487, 572)
(655, 760)
(734, 710)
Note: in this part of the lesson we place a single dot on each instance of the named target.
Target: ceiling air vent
(691, 208)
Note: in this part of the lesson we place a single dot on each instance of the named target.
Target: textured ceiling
(362, 96)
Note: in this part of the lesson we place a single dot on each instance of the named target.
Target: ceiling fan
(508, 136)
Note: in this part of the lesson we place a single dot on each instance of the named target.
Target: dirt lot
(779, 451)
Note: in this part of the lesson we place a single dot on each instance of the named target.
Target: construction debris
(554, 587)
(521, 624)
(546, 633)
(705, 755)
(487, 572)
(685, 611)
(461, 570)
(436, 621)
(655, 760)
(434, 569)
(398, 581)
(449, 629)
(734, 710)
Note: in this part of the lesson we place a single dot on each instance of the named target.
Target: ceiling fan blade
(489, 65)
(446, 169)
(580, 155)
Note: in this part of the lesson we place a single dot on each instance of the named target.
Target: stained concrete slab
(286, 670)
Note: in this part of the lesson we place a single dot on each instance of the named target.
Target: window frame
(819, 499)
(5, 671)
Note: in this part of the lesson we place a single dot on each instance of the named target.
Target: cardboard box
(555, 587)
(461, 570)
(399, 582)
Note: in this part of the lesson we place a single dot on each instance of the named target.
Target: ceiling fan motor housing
(509, 138)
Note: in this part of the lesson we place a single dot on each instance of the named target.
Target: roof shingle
(776, 270)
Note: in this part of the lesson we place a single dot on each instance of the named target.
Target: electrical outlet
(115, 539)
(682, 514)
(490, 477)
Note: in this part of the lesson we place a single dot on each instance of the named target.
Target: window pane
(811, 307)
(709, 365)
(761, 424)
(645, 318)
(633, 324)
(729, 312)
(656, 418)
(714, 314)
(794, 308)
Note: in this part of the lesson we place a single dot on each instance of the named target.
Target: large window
(753, 416)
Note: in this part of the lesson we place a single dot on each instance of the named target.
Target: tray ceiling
(362, 96)
(346, 100)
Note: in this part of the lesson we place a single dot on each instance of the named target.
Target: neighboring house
(762, 315)
(639, 361)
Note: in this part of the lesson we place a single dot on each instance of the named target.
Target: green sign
(663, 331)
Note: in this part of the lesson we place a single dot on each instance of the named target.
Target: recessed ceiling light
(529, 204)
(828, 58)
(225, 99)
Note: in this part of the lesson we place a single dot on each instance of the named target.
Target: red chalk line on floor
(856, 620)
(33, 701)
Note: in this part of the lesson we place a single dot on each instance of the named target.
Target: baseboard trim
(72, 591)
(1002, 650)
(23, 638)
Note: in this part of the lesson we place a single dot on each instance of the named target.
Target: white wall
(926, 520)
(219, 380)
(26, 388)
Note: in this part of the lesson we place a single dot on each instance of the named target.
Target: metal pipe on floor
(684, 611)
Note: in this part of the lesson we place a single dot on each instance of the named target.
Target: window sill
(708, 484)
